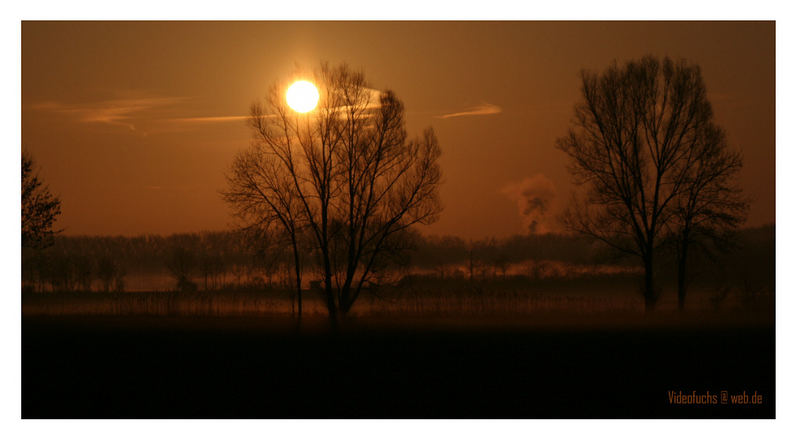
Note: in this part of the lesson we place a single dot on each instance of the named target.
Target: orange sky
(133, 125)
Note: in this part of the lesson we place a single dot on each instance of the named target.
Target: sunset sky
(134, 125)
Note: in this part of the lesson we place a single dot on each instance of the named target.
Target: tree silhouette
(710, 203)
(634, 142)
(39, 208)
(263, 194)
(345, 173)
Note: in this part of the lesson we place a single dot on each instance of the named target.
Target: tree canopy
(344, 175)
(641, 143)
(39, 208)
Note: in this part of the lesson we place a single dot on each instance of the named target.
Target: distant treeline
(217, 260)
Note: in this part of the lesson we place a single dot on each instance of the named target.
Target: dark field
(536, 367)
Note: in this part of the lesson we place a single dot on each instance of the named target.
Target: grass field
(596, 294)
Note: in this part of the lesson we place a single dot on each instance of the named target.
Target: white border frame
(787, 159)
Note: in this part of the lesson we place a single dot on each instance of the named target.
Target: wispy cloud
(152, 110)
(222, 119)
(119, 112)
(482, 109)
(373, 101)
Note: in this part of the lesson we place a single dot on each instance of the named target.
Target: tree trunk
(331, 299)
(344, 298)
(326, 262)
(298, 278)
(649, 284)
(683, 257)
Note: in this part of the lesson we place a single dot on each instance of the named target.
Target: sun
(302, 96)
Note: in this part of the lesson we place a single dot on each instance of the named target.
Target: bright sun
(302, 96)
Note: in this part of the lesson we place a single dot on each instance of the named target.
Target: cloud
(118, 112)
(223, 119)
(132, 112)
(374, 102)
(483, 109)
(534, 196)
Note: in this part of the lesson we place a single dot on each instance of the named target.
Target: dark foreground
(106, 367)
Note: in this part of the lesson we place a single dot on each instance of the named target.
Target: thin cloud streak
(222, 119)
(123, 112)
(374, 102)
(483, 109)
(112, 112)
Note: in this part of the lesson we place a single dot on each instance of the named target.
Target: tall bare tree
(630, 144)
(710, 204)
(345, 173)
(39, 208)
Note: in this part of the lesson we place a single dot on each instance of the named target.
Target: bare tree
(710, 204)
(39, 208)
(262, 194)
(345, 173)
(632, 136)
